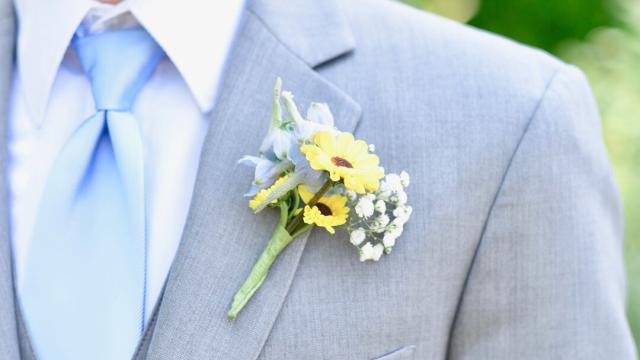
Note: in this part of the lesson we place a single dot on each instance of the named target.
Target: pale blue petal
(320, 113)
(266, 171)
(282, 144)
(249, 160)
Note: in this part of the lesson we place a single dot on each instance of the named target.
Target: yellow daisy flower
(262, 194)
(345, 159)
(328, 212)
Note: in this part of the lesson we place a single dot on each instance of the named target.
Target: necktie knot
(118, 64)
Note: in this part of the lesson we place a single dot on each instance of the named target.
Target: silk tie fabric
(85, 282)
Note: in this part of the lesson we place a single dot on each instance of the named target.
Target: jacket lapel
(222, 238)
(8, 327)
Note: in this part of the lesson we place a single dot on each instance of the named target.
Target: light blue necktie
(84, 286)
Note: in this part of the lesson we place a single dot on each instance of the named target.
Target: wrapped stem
(283, 234)
(278, 242)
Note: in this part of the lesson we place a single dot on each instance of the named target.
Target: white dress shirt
(51, 97)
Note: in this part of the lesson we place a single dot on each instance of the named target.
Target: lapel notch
(316, 31)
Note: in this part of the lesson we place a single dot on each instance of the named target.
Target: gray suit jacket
(514, 248)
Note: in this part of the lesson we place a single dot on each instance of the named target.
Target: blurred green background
(602, 37)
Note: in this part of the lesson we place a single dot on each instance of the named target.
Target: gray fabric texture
(514, 247)
(26, 350)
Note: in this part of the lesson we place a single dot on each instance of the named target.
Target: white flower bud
(380, 223)
(400, 198)
(366, 252)
(357, 236)
(397, 224)
(372, 148)
(364, 207)
(403, 212)
(389, 239)
(404, 178)
(377, 251)
(381, 206)
(383, 193)
(393, 182)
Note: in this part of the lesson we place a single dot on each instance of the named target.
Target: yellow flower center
(324, 209)
(338, 161)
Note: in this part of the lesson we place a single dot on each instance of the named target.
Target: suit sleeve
(547, 280)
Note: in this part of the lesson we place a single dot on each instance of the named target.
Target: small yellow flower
(345, 159)
(328, 212)
(262, 194)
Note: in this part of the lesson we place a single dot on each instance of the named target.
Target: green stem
(280, 238)
(278, 242)
(292, 227)
(302, 230)
(296, 203)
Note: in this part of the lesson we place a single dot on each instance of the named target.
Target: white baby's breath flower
(402, 198)
(399, 198)
(393, 182)
(364, 207)
(357, 236)
(372, 148)
(404, 178)
(380, 223)
(397, 224)
(389, 238)
(378, 249)
(371, 252)
(384, 191)
(351, 195)
(366, 252)
(381, 206)
(403, 212)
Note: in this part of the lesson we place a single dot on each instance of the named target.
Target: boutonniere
(316, 175)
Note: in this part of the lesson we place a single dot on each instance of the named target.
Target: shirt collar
(196, 35)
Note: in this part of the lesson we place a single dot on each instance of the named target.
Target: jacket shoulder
(429, 49)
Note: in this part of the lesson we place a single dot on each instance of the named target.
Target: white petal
(364, 207)
(404, 178)
(384, 192)
(398, 222)
(403, 212)
(389, 239)
(380, 223)
(400, 198)
(381, 206)
(320, 113)
(394, 182)
(366, 252)
(409, 210)
(357, 236)
(377, 251)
